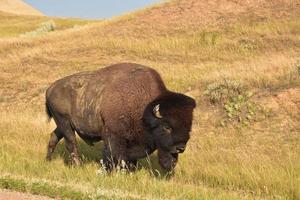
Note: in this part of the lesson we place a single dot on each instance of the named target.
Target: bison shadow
(93, 154)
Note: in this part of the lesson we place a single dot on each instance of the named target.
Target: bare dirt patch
(286, 101)
(11, 195)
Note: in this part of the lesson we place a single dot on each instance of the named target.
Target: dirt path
(10, 195)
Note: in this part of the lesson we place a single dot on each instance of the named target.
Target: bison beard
(125, 105)
(167, 160)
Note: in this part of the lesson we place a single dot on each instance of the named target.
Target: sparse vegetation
(16, 25)
(235, 99)
(225, 91)
(43, 28)
(255, 47)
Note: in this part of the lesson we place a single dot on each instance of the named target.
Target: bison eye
(167, 129)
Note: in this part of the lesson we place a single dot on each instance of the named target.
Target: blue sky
(91, 9)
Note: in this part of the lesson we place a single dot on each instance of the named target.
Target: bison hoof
(48, 158)
(76, 161)
(132, 166)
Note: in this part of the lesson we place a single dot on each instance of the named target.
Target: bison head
(169, 120)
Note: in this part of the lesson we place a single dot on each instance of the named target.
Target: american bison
(128, 107)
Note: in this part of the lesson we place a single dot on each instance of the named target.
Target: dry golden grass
(192, 44)
(18, 7)
(12, 25)
(190, 16)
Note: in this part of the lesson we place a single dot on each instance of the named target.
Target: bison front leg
(114, 153)
(108, 159)
(132, 165)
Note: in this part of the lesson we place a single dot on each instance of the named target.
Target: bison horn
(156, 111)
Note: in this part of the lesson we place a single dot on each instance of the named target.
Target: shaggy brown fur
(115, 104)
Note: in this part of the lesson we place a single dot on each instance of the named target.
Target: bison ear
(156, 111)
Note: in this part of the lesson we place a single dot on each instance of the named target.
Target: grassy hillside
(239, 59)
(12, 25)
(18, 7)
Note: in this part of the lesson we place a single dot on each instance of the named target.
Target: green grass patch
(205, 171)
(260, 161)
(41, 188)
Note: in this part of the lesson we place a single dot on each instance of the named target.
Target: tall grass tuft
(43, 28)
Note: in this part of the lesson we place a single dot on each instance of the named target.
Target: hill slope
(18, 7)
(244, 146)
(12, 25)
(240, 48)
(188, 16)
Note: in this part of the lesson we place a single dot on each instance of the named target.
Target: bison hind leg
(65, 130)
(71, 145)
(56, 136)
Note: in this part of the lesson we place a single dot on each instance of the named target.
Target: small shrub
(298, 67)
(206, 38)
(43, 28)
(226, 90)
(234, 99)
(292, 77)
(248, 46)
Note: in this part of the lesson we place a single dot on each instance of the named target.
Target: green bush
(43, 28)
(235, 100)
(223, 91)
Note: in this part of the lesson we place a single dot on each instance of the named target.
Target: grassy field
(244, 145)
(15, 25)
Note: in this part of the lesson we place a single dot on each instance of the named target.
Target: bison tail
(49, 115)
